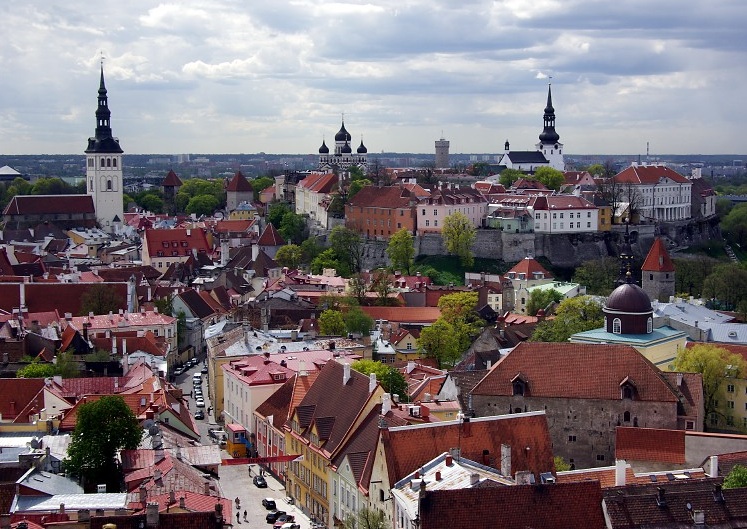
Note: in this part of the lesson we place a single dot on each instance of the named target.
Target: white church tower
(104, 167)
(549, 144)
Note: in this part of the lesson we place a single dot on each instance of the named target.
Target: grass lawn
(450, 269)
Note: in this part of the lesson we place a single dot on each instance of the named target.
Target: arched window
(114, 162)
(626, 416)
(616, 326)
(650, 326)
(519, 388)
(91, 184)
(108, 162)
(108, 185)
(627, 393)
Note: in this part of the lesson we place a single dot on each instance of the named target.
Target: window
(578, 225)
(423, 212)
(730, 388)
(588, 224)
(626, 416)
(730, 404)
(571, 438)
(435, 212)
(600, 457)
(435, 222)
(519, 388)
(427, 223)
(555, 215)
(108, 185)
(616, 326)
(650, 326)
(689, 425)
(561, 215)
(729, 420)
(588, 214)
(114, 162)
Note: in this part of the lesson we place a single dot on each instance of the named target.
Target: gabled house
(238, 190)
(164, 247)
(313, 195)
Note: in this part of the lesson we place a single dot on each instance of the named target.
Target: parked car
(283, 519)
(178, 371)
(199, 414)
(216, 433)
(200, 402)
(259, 482)
(269, 504)
(204, 369)
(273, 515)
(289, 525)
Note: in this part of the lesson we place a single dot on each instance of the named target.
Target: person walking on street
(238, 517)
(245, 516)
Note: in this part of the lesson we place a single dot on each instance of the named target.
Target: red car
(283, 519)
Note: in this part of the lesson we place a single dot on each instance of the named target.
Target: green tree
(737, 478)
(598, 276)
(276, 212)
(262, 183)
(151, 202)
(356, 173)
(401, 250)
(202, 205)
(734, 225)
(459, 234)
(388, 376)
(358, 322)
(348, 247)
(549, 177)
(460, 311)
(103, 428)
(19, 186)
(572, 315)
(561, 465)
(723, 207)
(195, 187)
(509, 176)
(726, 286)
(539, 299)
(292, 227)
(126, 201)
(165, 305)
(441, 342)
(365, 518)
(716, 365)
(101, 299)
(331, 323)
(311, 248)
(36, 369)
(289, 255)
(66, 365)
(326, 259)
(51, 186)
(383, 288)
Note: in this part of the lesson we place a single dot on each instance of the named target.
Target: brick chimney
(449, 460)
(151, 515)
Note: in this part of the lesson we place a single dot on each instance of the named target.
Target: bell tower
(104, 167)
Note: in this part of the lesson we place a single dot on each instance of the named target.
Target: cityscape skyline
(278, 77)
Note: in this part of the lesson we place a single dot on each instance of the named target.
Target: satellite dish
(34, 443)
(689, 506)
(153, 430)
(219, 215)
(148, 423)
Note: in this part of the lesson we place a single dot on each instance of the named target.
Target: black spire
(626, 258)
(548, 134)
(103, 141)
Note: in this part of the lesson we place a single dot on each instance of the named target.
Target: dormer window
(519, 385)
(628, 390)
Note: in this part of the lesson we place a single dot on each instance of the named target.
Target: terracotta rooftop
(658, 259)
(650, 444)
(649, 175)
(239, 183)
(49, 205)
(530, 266)
(171, 180)
(270, 237)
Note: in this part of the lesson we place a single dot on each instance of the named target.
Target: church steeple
(548, 134)
(103, 141)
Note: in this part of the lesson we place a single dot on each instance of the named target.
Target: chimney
(523, 477)
(466, 427)
(143, 493)
(386, 403)
(207, 489)
(438, 475)
(114, 345)
(660, 499)
(620, 466)
(718, 493)
(182, 502)
(84, 515)
(713, 472)
(449, 460)
(699, 518)
(151, 515)
(179, 451)
(302, 372)
(345, 373)
(172, 496)
(372, 383)
(410, 366)
(506, 460)
(679, 379)
(474, 479)
(62, 509)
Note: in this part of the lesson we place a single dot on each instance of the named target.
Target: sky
(277, 76)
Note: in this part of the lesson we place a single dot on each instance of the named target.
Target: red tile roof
(573, 370)
(404, 314)
(239, 183)
(46, 297)
(171, 180)
(410, 447)
(529, 266)
(658, 259)
(270, 237)
(256, 370)
(650, 444)
(49, 205)
(558, 506)
(179, 240)
(15, 395)
(649, 174)
(319, 183)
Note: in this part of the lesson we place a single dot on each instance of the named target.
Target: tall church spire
(548, 134)
(103, 141)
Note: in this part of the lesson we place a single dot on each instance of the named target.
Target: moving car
(259, 482)
(273, 515)
(204, 369)
(199, 414)
(269, 504)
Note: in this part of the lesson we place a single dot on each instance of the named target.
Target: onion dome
(362, 148)
(346, 149)
(342, 134)
(324, 149)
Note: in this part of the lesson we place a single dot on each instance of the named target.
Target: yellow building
(319, 426)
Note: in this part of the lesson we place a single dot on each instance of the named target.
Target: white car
(200, 402)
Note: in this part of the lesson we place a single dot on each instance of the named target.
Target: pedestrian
(245, 516)
(250, 470)
(238, 517)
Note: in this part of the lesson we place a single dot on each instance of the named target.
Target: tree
(195, 187)
(509, 176)
(572, 315)
(716, 365)
(401, 250)
(358, 322)
(388, 376)
(561, 465)
(734, 225)
(365, 518)
(100, 299)
(36, 369)
(276, 212)
(65, 365)
(440, 342)
(460, 311)
(289, 255)
(311, 248)
(202, 205)
(459, 234)
(51, 186)
(726, 286)
(549, 177)
(613, 193)
(737, 478)
(348, 247)
(150, 202)
(331, 323)
(262, 183)
(383, 288)
(598, 276)
(355, 186)
(103, 428)
(326, 259)
(292, 227)
(539, 299)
